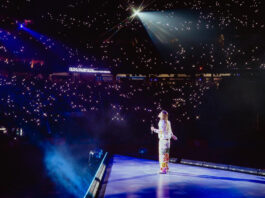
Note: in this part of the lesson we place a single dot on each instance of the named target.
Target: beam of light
(59, 51)
(15, 46)
(49, 44)
(65, 171)
(12, 43)
(169, 29)
(44, 40)
(136, 12)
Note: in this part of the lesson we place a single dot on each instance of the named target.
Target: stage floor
(133, 177)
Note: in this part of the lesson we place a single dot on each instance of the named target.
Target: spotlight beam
(136, 12)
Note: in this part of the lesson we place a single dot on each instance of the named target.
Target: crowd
(215, 120)
(36, 101)
(100, 34)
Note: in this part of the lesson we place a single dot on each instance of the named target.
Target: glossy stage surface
(133, 177)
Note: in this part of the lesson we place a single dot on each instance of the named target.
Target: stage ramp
(134, 177)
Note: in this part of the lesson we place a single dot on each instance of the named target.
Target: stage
(133, 177)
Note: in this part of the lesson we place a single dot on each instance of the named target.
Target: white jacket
(164, 131)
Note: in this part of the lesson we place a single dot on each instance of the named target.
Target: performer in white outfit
(164, 132)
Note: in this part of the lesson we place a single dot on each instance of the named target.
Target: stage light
(21, 26)
(136, 12)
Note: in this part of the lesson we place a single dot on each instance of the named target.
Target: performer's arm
(157, 130)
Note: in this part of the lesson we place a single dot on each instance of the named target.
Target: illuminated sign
(86, 70)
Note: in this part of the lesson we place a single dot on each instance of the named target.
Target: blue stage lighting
(21, 26)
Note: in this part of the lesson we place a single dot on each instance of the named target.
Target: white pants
(164, 146)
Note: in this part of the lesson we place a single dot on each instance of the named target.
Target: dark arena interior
(126, 98)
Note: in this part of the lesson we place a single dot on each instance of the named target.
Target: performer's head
(163, 115)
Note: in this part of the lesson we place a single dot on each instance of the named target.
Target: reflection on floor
(133, 177)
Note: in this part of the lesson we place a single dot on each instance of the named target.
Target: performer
(164, 134)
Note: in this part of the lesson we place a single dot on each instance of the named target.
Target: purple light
(21, 26)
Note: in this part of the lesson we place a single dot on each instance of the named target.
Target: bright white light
(88, 70)
(136, 12)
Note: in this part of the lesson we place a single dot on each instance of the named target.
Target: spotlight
(136, 12)
(21, 26)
